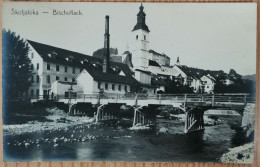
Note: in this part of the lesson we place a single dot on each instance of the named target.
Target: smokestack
(106, 46)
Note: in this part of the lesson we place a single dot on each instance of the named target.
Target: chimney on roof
(106, 46)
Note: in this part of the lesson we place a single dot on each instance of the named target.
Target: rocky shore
(57, 120)
(241, 154)
(244, 153)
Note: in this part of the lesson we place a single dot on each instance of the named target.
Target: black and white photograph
(132, 82)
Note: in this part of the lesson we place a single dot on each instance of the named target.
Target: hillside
(249, 77)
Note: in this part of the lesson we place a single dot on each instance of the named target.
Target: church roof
(141, 20)
(93, 65)
(154, 52)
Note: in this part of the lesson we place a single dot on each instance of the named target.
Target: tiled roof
(92, 64)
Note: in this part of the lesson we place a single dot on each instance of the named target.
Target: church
(139, 69)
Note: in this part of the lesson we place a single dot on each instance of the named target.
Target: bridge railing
(211, 98)
(231, 98)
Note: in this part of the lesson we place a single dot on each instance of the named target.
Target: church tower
(139, 45)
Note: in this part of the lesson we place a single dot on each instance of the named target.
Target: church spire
(178, 61)
(141, 20)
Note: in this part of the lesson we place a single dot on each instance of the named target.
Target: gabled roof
(128, 59)
(154, 52)
(114, 78)
(143, 71)
(192, 72)
(92, 65)
(61, 54)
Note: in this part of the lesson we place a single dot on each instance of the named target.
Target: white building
(52, 64)
(207, 84)
(188, 76)
(107, 82)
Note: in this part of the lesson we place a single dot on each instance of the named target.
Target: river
(114, 142)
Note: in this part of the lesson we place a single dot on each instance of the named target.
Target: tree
(17, 67)
(176, 87)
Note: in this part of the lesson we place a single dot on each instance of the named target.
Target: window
(31, 66)
(66, 69)
(32, 55)
(99, 85)
(106, 86)
(32, 78)
(48, 66)
(73, 79)
(136, 37)
(57, 78)
(144, 37)
(37, 66)
(207, 86)
(65, 79)
(113, 86)
(125, 88)
(119, 87)
(37, 92)
(48, 79)
(73, 70)
(57, 68)
(37, 79)
(31, 92)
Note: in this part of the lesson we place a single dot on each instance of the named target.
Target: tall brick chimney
(106, 46)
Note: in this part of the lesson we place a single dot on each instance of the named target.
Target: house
(145, 80)
(61, 89)
(50, 64)
(189, 76)
(207, 84)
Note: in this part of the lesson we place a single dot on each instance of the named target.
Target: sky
(214, 36)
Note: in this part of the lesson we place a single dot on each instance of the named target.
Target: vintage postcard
(160, 82)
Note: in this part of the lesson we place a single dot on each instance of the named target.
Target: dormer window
(53, 55)
(70, 59)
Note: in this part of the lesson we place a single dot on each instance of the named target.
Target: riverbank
(244, 153)
(241, 154)
(56, 120)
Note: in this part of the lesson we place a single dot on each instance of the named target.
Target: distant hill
(249, 77)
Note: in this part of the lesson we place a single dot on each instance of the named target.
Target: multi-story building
(50, 64)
